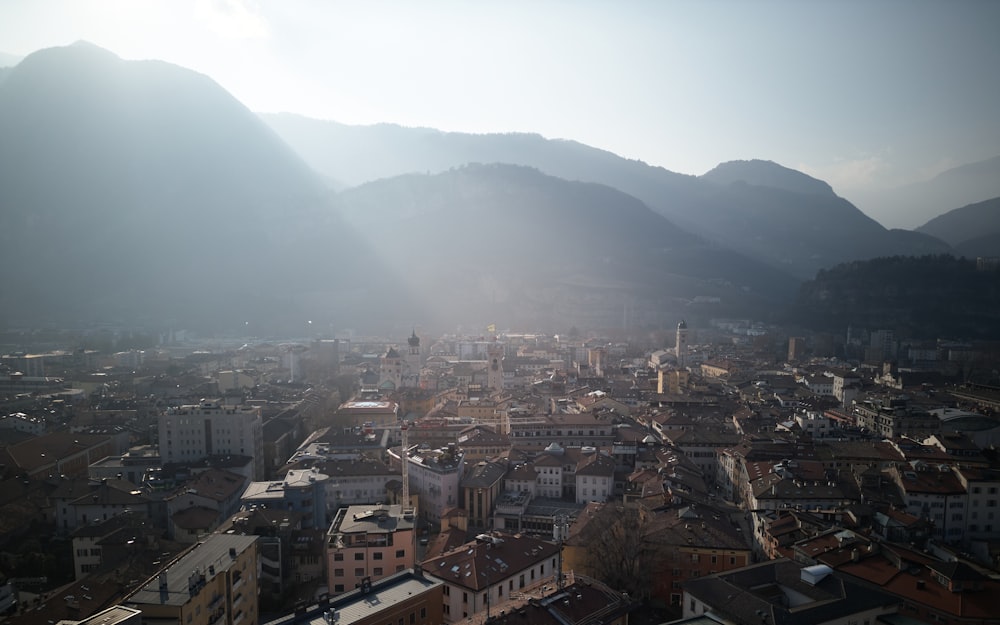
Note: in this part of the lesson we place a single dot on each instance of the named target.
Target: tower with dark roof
(411, 365)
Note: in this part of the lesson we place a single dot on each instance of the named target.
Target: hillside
(914, 204)
(766, 174)
(969, 227)
(532, 247)
(924, 297)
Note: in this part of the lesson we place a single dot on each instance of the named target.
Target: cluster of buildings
(465, 480)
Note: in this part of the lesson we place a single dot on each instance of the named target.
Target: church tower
(681, 345)
(411, 373)
(494, 366)
(390, 371)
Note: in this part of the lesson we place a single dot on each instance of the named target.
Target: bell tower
(681, 344)
(494, 366)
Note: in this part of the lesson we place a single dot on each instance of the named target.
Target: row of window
(360, 555)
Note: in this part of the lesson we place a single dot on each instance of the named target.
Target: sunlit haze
(860, 94)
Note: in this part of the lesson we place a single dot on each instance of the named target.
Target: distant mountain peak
(763, 173)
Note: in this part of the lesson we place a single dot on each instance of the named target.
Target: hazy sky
(858, 93)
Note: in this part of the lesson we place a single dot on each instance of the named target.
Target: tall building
(194, 432)
(796, 348)
(390, 374)
(681, 344)
(411, 367)
(494, 369)
(214, 582)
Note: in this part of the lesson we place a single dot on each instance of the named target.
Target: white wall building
(193, 432)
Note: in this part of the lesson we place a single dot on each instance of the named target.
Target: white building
(434, 478)
(193, 432)
(490, 571)
(815, 424)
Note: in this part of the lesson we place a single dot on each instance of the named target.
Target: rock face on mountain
(757, 208)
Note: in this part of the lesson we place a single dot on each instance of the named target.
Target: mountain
(524, 246)
(914, 204)
(973, 227)
(143, 193)
(767, 174)
(141, 190)
(756, 208)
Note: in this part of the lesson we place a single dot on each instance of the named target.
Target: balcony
(216, 603)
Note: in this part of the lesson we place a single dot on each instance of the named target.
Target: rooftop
(172, 586)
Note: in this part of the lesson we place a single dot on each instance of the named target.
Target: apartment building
(567, 429)
(302, 491)
(213, 582)
(434, 476)
(194, 432)
(369, 542)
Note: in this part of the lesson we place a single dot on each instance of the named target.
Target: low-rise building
(782, 591)
(406, 597)
(489, 570)
(302, 491)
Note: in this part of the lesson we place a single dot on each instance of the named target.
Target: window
(359, 572)
(399, 553)
(338, 557)
(377, 571)
(338, 572)
(377, 555)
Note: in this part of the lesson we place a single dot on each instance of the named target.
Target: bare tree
(621, 549)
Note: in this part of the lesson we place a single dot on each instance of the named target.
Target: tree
(622, 551)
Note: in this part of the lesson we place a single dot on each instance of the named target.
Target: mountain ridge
(754, 220)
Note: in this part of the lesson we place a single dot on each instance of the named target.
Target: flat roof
(354, 607)
(213, 551)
